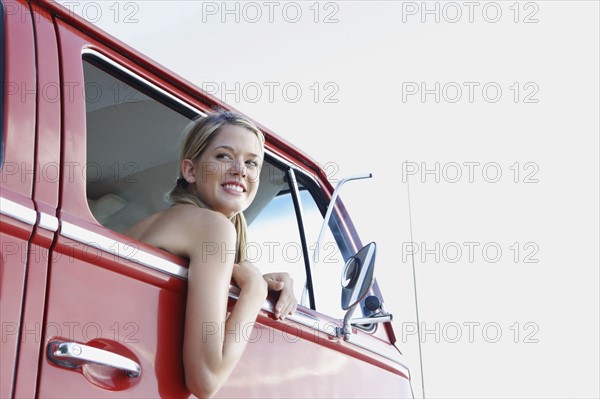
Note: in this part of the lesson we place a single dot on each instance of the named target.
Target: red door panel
(96, 298)
(14, 238)
(301, 357)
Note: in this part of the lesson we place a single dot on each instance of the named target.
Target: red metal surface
(47, 149)
(13, 241)
(16, 179)
(73, 195)
(291, 362)
(32, 339)
(20, 100)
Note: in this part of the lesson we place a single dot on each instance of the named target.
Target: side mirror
(357, 277)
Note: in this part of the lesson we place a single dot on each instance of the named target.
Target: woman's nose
(240, 168)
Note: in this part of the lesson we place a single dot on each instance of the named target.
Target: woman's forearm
(243, 315)
(232, 335)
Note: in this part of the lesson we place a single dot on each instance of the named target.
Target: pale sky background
(522, 322)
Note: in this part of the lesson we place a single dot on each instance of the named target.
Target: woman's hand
(249, 279)
(287, 303)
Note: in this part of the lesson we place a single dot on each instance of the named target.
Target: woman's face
(226, 174)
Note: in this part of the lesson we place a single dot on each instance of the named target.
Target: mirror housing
(357, 279)
(357, 276)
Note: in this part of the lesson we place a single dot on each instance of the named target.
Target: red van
(88, 147)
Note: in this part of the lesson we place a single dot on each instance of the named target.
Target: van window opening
(133, 138)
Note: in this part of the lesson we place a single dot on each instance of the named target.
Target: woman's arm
(212, 345)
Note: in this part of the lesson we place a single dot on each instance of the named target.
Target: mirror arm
(330, 210)
(346, 330)
(328, 213)
(373, 319)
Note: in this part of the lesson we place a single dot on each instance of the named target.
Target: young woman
(221, 157)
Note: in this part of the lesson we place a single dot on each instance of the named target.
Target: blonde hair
(199, 134)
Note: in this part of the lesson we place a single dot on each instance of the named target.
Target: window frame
(299, 210)
(344, 239)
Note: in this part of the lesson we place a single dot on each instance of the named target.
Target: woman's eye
(252, 163)
(224, 156)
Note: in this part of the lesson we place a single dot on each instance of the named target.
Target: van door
(114, 308)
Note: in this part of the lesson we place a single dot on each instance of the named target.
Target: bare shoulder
(196, 220)
(181, 228)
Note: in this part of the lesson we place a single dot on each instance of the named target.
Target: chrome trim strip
(298, 317)
(17, 211)
(387, 351)
(308, 321)
(116, 65)
(48, 222)
(367, 343)
(123, 250)
(331, 206)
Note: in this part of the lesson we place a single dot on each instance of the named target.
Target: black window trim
(125, 75)
(294, 176)
(293, 183)
(290, 171)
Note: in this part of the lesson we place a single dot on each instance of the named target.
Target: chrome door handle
(73, 355)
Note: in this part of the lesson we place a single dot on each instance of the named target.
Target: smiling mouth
(234, 187)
